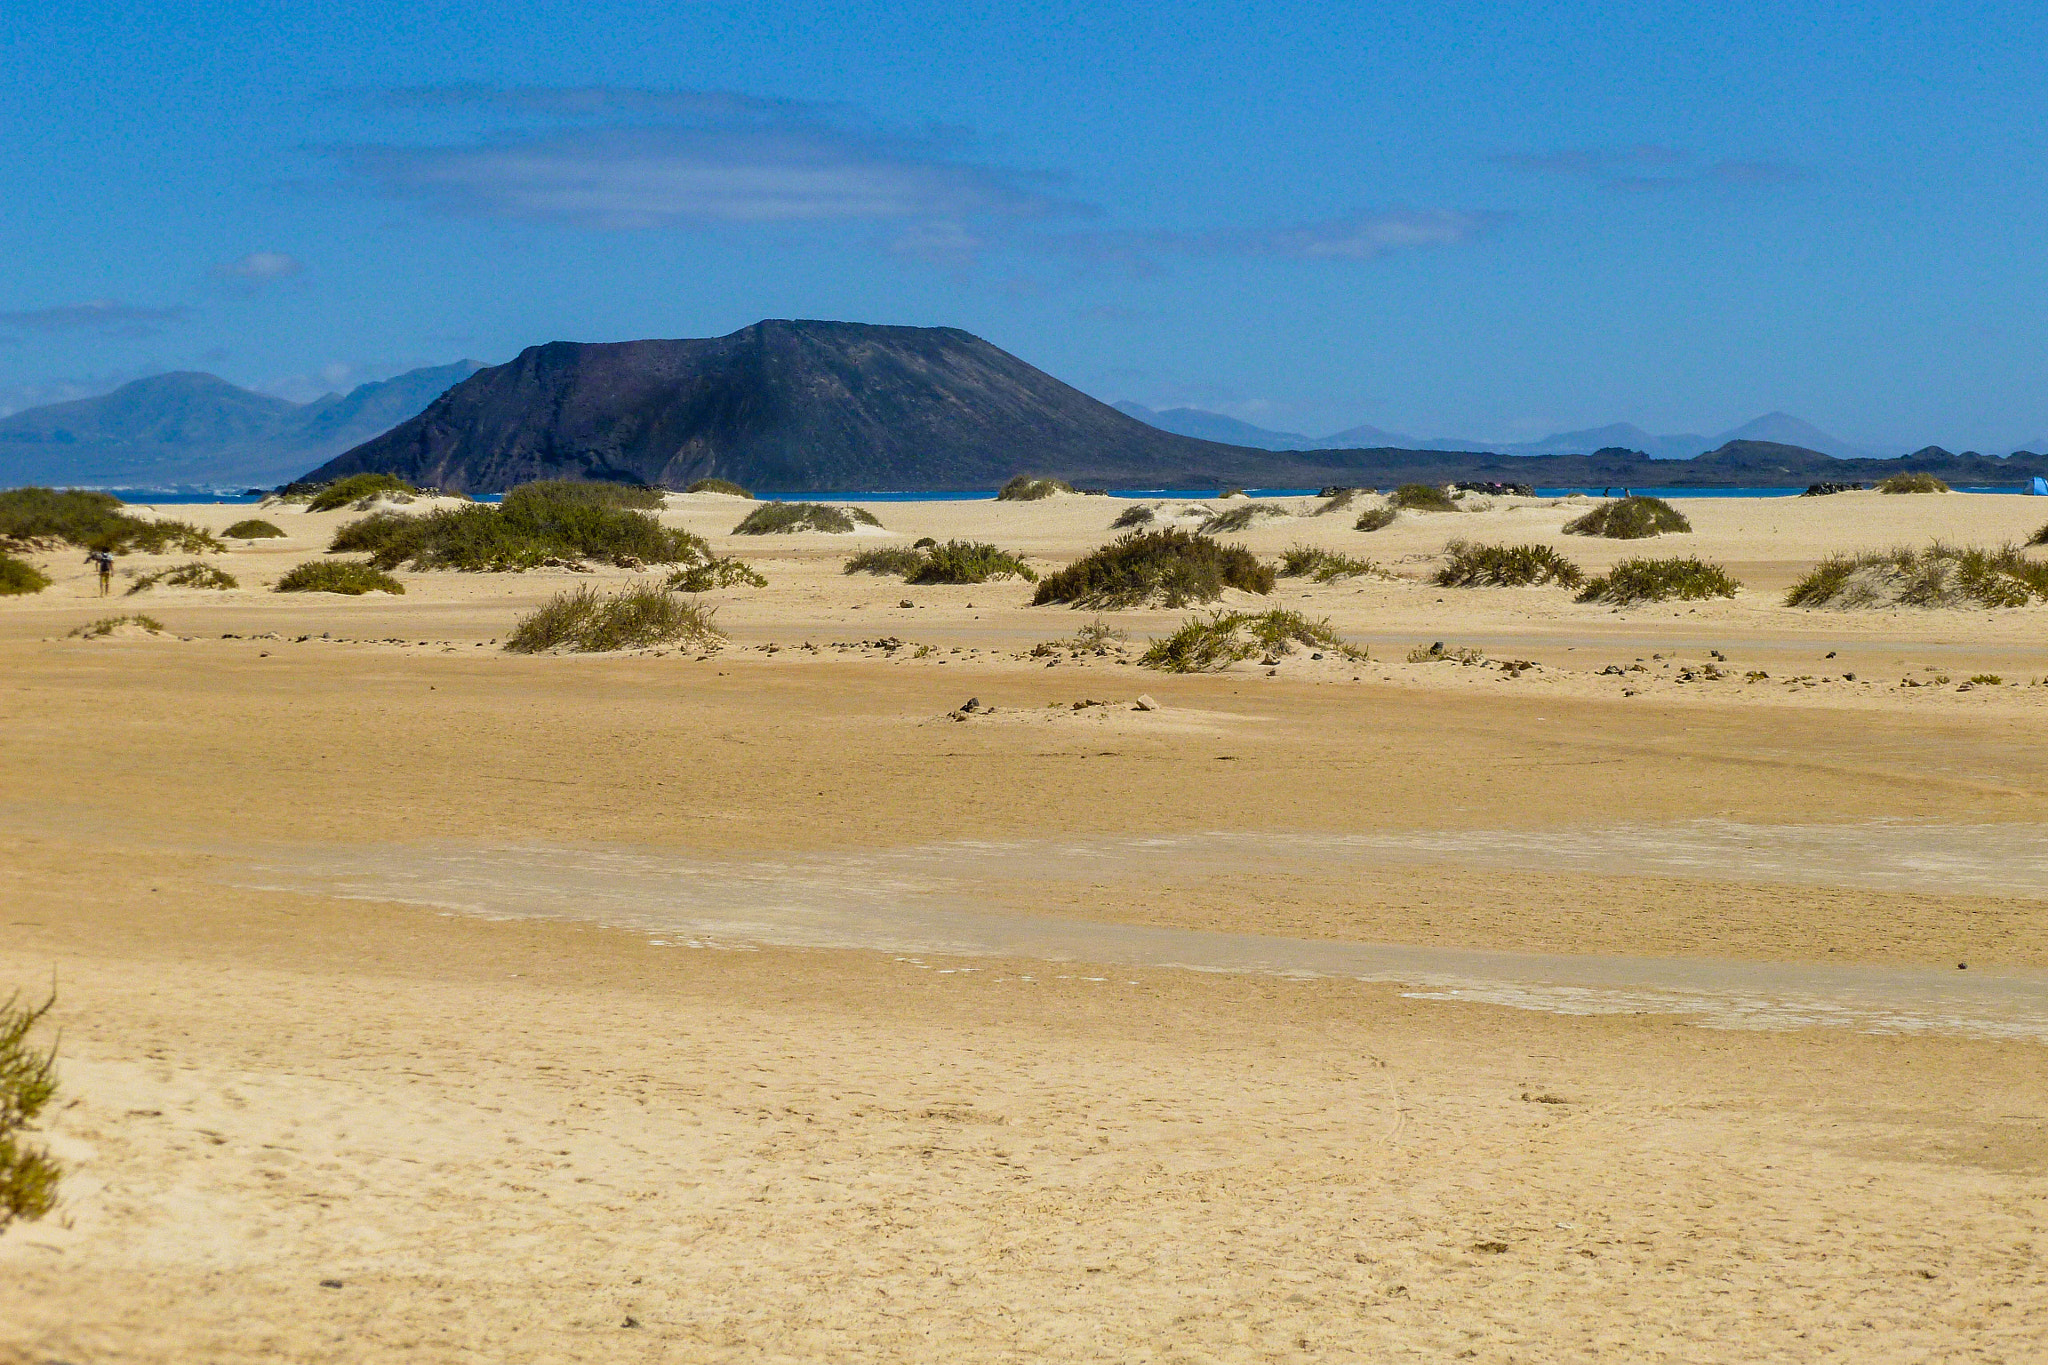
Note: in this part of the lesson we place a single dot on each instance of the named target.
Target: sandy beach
(1677, 993)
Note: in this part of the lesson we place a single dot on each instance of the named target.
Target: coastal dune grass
(725, 486)
(107, 625)
(1171, 567)
(355, 488)
(1660, 580)
(717, 572)
(42, 518)
(1912, 483)
(1377, 518)
(1505, 566)
(956, 561)
(194, 575)
(28, 1082)
(252, 529)
(549, 520)
(1025, 488)
(1239, 518)
(786, 518)
(1204, 644)
(585, 621)
(1631, 518)
(1323, 566)
(19, 578)
(1137, 514)
(1421, 497)
(1938, 576)
(339, 576)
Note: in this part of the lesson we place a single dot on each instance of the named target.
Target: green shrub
(1139, 514)
(969, 561)
(1169, 566)
(1238, 518)
(536, 523)
(193, 575)
(107, 625)
(725, 486)
(1912, 483)
(252, 529)
(784, 518)
(716, 572)
(1376, 518)
(356, 487)
(1420, 497)
(1938, 576)
(1308, 561)
(19, 578)
(1337, 500)
(1024, 488)
(1204, 644)
(897, 560)
(1505, 566)
(1629, 519)
(1987, 680)
(1660, 580)
(585, 621)
(549, 497)
(28, 1082)
(40, 518)
(339, 575)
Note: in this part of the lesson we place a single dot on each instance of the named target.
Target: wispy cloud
(1364, 236)
(258, 268)
(1648, 168)
(103, 316)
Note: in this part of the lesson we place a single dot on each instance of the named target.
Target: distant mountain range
(188, 428)
(1776, 428)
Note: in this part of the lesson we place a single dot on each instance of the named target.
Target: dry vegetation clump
(898, 560)
(19, 578)
(193, 575)
(1238, 518)
(1170, 567)
(107, 625)
(252, 529)
(1421, 497)
(1308, 561)
(28, 1082)
(1632, 518)
(787, 518)
(584, 621)
(1938, 576)
(1912, 483)
(1377, 518)
(1438, 653)
(1205, 644)
(355, 488)
(1098, 637)
(550, 521)
(43, 518)
(1660, 580)
(339, 575)
(1024, 488)
(725, 486)
(1336, 500)
(1141, 514)
(716, 572)
(1505, 566)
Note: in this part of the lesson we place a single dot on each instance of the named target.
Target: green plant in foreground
(585, 621)
(1376, 518)
(1632, 518)
(252, 529)
(193, 575)
(1204, 644)
(28, 1082)
(1309, 561)
(716, 572)
(1912, 483)
(1660, 580)
(1505, 566)
(342, 576)
(1024, 488)
(18, 577)
(725, 486)
(107, 625)
(1169, 566)
(1421, 497)
(784, 518)
(1937, 576)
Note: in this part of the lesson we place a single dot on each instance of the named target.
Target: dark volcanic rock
(780, 405)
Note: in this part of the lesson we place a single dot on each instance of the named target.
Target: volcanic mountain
(789, 406)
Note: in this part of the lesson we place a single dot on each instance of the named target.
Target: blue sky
(1493, 220)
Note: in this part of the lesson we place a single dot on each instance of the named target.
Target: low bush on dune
(28, 1082)
(1308, 561)
(553, 520)
(251, 529)
(725, 486)
(355, 488)
(342, 576)
(1660, 580)
(1206, 643)
(716, 572)
(42, 518)
(896, 560)
(1421, 497)
(1938, 576)
(956, 561)
(193, 575)
(1139, 514)
(1170, 567)
(584, 621)
(1337, 500)
(785, 518)
(1025, 488)
(1633, 518)
(1377, 518)
(107, 625)
(1912, 483)
(1238, 518)
(1505, 566)
(19, 578)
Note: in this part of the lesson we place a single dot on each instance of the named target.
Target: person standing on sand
(105, 560)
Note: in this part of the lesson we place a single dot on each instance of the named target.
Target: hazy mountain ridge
(190, 427)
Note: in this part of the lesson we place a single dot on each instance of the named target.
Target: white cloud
(259, 267)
